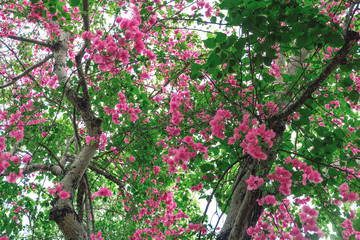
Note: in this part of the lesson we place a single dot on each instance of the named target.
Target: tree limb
(54, 169)
(27, 71)
(23, 39)
(350, 40)
(80, 55)
(64, 156)
(108, 176)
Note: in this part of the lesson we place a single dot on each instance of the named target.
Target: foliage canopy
(116, 116)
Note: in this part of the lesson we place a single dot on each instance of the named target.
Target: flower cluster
(103, 192)
(58, 189)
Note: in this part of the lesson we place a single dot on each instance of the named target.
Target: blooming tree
(117, 115)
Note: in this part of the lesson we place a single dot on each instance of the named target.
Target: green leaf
(69, 63)
(240, 44)
(74, 3)
(210, 43)
(335, 39)
(220, 37)
(347, 82)
(52, 10)
(354, 96)
(206, 167)
(302, 40)
(214, 60)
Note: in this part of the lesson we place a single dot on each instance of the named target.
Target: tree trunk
(63, 211)
(68, 222)
(244, 210)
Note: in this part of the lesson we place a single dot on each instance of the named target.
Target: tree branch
(350, 40)
(108, 176)
(50, 152)
(23, 39)
(320, 163)
(27, 71)
(64, 156)
(80, 55)
(54, 169)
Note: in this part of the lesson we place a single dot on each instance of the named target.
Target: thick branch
(80, 55)
(64, 156)
(80, 199)
(54, 169)
(23, 39)
(27, 71)
(85, 15)
(82, 105)
(339, 58)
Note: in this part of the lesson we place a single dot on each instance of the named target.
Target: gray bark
(63, 211)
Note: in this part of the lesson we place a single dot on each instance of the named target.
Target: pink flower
(12, 177)
(231, 141)
(156, 170)
(51, 191)
(2, 144)
(197, 187)
(99, 32)
(26, 159)
(104, 191)
(251, 182)
(88, 139)
(64, 194)
(58, 188)
(98, 236)
(126, 140)
(132, 159)
(152, 19)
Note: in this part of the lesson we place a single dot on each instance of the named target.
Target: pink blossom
(26, 159)
(58, 187)
(156, 170)
(15, 159)
(11, 178)
(197, 187)
(64, 194)
(132, 159)
(51, 191)
(88, 139)
(98, 236)
(2, 144)
(254, 182)
(231, 140)
(104, 191)
(152, 19)
(99, 32)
